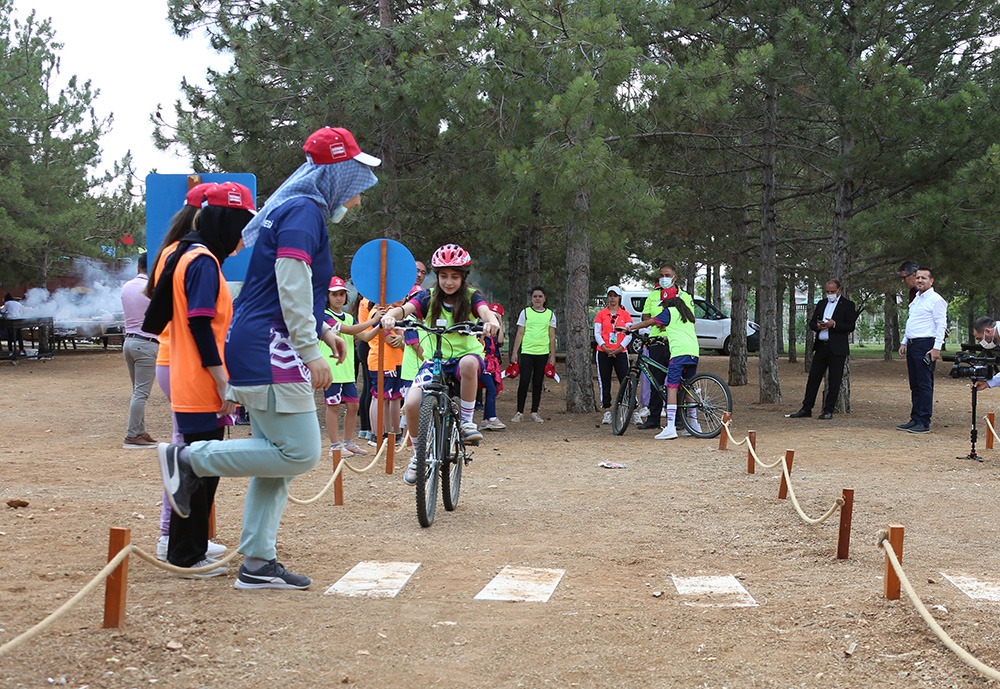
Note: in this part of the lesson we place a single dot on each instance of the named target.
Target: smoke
(97, 296)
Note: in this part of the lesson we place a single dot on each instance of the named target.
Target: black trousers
(189, 537)
(605, 365)
(823, 360)
(661, 355)
(921, 376)
(533, 374)
(365, 398)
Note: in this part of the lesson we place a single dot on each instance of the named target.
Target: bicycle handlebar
(644, 338)
(462, 328)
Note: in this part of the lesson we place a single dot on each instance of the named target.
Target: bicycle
(439, 452)
(704, 393)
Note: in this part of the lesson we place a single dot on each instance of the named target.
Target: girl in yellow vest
(453, 300)
(534, 348)
(344, 388)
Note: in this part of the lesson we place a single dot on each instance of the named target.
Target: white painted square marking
(374, 579)
(714, 592)
(973, 588)
(528, 584)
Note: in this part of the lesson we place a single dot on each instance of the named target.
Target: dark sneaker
(179, 480)
(410, 475)
(648, 424)
(919, 428)
(906, 426)
(470, 433)
(273, 575)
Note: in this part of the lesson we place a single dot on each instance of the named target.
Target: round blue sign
(400, 270)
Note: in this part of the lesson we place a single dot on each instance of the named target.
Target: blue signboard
(165, 196)
(400, 270)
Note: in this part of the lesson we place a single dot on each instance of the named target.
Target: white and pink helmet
(451, 256)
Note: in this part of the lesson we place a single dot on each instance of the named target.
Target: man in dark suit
(832, 321)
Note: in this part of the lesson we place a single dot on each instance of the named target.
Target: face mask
(338, 214)
(666, 283)
(831, 298)
(987, 344)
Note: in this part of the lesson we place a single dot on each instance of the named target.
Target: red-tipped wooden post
(891, 580)
(724, 436)
(338, 483)
(380, 382)
(991, 417)
(844, 533)
(211, 521)
(116, 585)
(751, 448)
(783, 490)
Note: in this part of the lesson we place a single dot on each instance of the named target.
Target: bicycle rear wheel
(621, 413)
(452, 461)
(427, 453)
(703, 400)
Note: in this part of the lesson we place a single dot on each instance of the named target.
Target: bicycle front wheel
(704, 399)
(427, 453)
(451, 462)
(621, 413)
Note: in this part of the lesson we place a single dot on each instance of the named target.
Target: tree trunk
(709, 285)
(779, 311)
(792, 358)
(579, 332)
(739, 281)
(890, 328)
(810, 335)
(717, 286)
(767, 296)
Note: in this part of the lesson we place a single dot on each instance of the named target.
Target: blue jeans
(283, 446)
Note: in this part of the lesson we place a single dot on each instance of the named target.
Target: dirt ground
(535, 497)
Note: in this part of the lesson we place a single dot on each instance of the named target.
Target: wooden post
(844, 533)
(891, 580)
(211, 521)
(751, 445)
(989, 438)
(390, 454)
(116, 585)
(783, 490)
(724, 436)
(380, 385)
(338, 483)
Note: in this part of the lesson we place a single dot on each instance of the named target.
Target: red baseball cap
(230, 195)
(497, 308)
(335, 145)
(337, 284)
(196, 194)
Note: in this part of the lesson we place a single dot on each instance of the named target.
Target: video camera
(974, 362)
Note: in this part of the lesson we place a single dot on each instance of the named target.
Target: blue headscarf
(329, 185)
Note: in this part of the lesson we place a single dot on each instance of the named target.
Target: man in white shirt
(921, 346)
(140, 349)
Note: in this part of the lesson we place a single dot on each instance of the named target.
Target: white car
(711, 325)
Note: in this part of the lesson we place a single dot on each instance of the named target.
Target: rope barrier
(838, 503)
(941, 634)
(339, 470)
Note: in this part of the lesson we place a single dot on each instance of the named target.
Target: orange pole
(380, 385)
(844, 533)
(338, 483)
(989, 436)
(724, 437)
(783, 490)
(211, 521)
(193, 181)
(116, 585)
(890, 579)
(390, 454)
(751, 464)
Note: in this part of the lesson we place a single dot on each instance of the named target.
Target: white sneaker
(517, 418)
(214, 549)
(636, 419)
(493, 424)
(204, 575)
(470, 433)
(606, 419)
(668, 433)
(536, 417)
(410, 475)
(643, 413)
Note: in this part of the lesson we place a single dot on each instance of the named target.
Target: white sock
(468, 409)
(671, 415)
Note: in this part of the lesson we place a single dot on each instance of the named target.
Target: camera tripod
(974, 433)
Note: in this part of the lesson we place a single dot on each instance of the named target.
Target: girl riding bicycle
(678, 321)
(453, 300)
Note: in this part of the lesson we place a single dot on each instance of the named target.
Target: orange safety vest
(192, 388)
